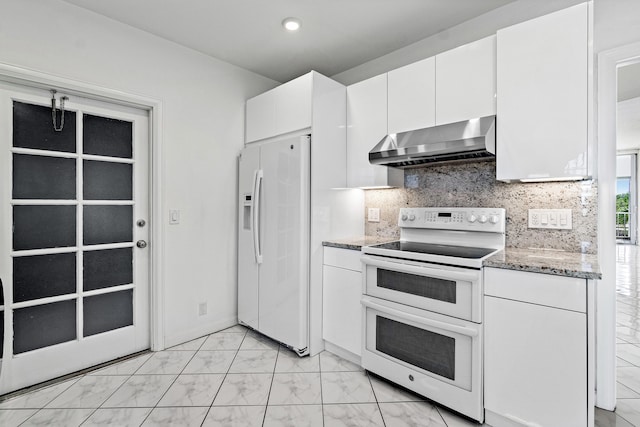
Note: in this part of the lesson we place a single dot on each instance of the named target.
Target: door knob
(141, 244)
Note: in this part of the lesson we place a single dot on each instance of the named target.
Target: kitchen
(187, 111)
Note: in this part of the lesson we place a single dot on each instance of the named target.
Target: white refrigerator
(273, 240)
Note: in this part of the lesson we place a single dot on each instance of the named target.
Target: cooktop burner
(435, 249)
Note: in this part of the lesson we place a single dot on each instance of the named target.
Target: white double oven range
(422, 303)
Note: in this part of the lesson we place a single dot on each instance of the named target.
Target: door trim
(36, 79)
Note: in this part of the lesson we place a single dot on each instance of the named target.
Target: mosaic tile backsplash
(474, 185)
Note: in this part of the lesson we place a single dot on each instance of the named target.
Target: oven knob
(412, 217)
(404, 217)
(472, 218)
(493, 219)
(411, 378)
(482, 219)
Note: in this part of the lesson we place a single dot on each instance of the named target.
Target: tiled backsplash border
(474, 185)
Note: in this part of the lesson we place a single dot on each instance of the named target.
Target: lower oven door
(452, 291)
(436, 356)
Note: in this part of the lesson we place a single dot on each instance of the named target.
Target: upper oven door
(441, 289)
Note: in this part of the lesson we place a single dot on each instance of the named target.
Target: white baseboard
(199, 331)
(345, 354)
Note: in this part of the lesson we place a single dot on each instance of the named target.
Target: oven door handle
(420, 270)
(469, 332)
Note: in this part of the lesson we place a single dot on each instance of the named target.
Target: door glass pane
(107, 268)
(37, 227)
(107, 312)
(44, 325)
(43, 276)
(108, 224)
(428, 287)
(107, 137)
(427, 350)
(33, 128)
(107, 181)
(41, 177)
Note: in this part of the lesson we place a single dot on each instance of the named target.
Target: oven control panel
(474, 219)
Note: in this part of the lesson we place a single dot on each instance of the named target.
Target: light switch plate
(556, 219)
(174, 217)
(373, 215)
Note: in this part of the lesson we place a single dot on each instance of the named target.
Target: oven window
(428, 287)
(424, 349)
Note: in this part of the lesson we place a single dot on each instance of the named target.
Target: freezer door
(248, 268)
(284, 272)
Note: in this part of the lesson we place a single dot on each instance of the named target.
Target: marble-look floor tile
(346, 387)
(288, 361)
(140, 391)
(352, 415)
(236, 329)
(255, 341)
(121, 417)
(223, 341)
(620, 363)
(166, 362)
(38, 398)
(629, 377)
(236, 416)
(244, 389)
(192, 390)
(58, 417)
(210, 362)
(183, 417)
(455, 420)
(329, 362)
(411, 414)
(296, 388)
(293, 416)
(627, 334)
(15, 417)
(388, 392)
(88, 392)
(609, 419)
(629, 353)
(126, 367)
(629, 409)
(189, 345)
(254, 361)
(624, 392)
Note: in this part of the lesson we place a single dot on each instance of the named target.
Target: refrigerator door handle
(257, 189)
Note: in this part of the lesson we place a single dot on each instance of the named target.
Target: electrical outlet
(558, 219)
(373, 215)
(202, 309)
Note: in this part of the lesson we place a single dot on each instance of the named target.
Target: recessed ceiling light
(291, 24)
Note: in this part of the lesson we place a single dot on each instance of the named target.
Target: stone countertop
(545, 261)
(356, 242)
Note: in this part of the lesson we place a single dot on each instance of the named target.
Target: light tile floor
(231, 378)
(628, 341)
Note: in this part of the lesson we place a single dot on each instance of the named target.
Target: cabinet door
(543, 97)
(535, 367)
(366, 126)
(260, 121)
(293, 104)
(466, 82)
(412, 96)
(341, 310)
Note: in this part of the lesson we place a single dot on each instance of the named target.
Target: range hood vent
(469, 140)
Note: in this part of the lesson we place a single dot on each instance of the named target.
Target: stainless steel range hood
(473, 139)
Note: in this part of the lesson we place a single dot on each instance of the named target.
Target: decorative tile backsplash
(474, 185)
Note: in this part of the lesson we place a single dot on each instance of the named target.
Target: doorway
(74, 209)
(626, 196)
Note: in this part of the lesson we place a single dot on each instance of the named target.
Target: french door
(74, 209)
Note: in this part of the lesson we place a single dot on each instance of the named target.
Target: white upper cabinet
(412, 96)
(284, 109)
(543, 97)
(466, 82)
(366, 126)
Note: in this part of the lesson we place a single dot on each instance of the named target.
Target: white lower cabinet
(341, 294)
(536, 368)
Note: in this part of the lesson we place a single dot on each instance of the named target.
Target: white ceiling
(336, 35)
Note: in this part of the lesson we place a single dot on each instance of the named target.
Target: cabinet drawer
(567, 293)
(343, 258)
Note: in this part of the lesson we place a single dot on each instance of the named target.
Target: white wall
(203, 131)
(628, 124)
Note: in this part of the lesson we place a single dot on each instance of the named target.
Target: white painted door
(73, 205)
